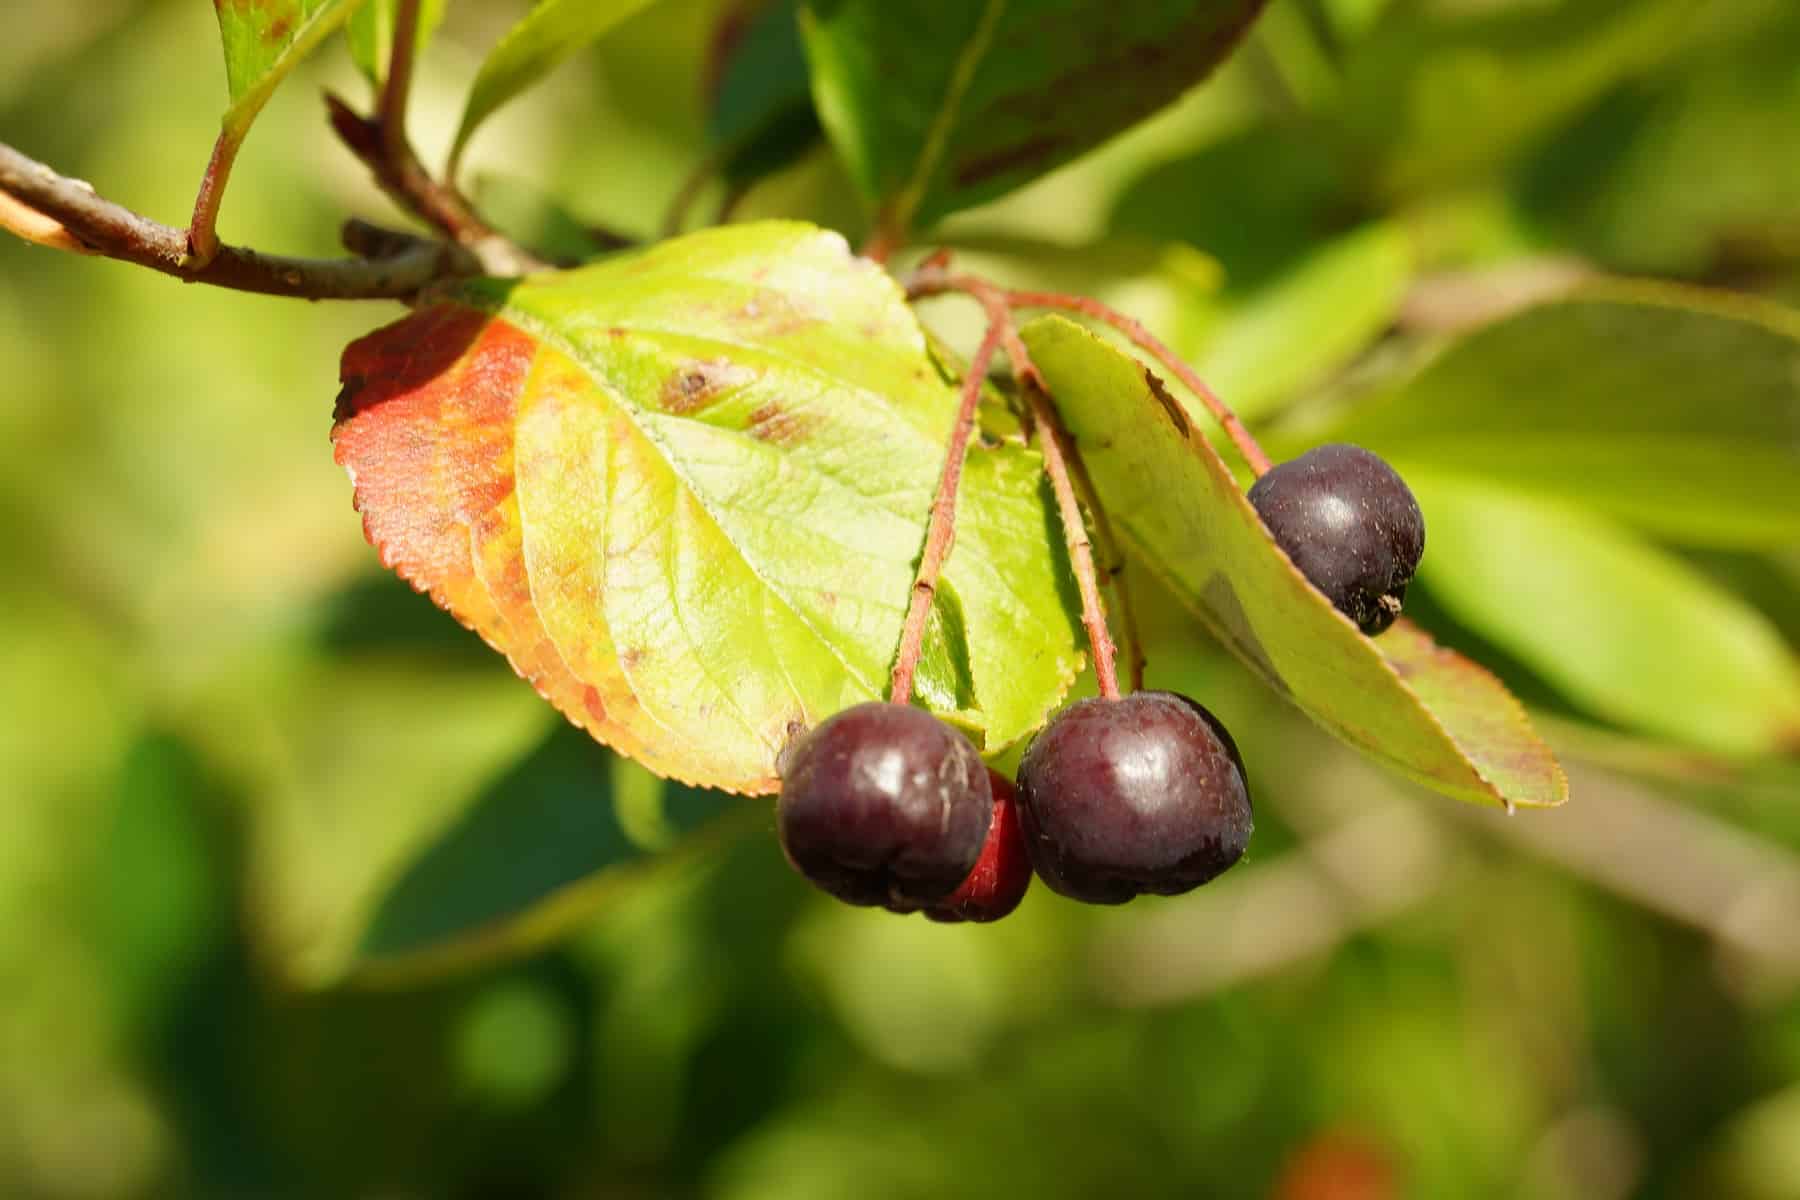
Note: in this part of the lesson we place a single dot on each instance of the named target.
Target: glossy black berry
(1350, 524)
(884, 804)
(1002, 873)
(1141, 794)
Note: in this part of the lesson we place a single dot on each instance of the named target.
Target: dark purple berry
(884, 804)
(1002, 873)
(1350, 524)
(1140, 794)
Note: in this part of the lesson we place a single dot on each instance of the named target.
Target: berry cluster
(885, 805)
(882, 804)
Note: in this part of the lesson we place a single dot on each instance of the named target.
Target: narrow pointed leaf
(939, 105)
(1675, 409)
(1420, 709)
(1622, 628)
(684, 491)
(263, 40)
(371, 34)
(492, 884)
(537, 45)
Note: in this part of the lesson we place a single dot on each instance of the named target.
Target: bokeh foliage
(240, 761)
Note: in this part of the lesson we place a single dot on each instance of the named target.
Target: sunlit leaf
(1623, 629)
(263, 41)
(939, 105)
(1262, 348)
(1675, 409)
(684, 491)
(371, 33)
(1420, 709)
(548, 34)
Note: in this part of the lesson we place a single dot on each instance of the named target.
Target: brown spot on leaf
(629, 659)
(1171, 406)
(279, 30)
(774, 424)
(699, 383)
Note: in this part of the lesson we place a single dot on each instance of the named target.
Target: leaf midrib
(552, 338)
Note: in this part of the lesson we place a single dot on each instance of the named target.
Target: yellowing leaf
(263, 39)
(684, 491)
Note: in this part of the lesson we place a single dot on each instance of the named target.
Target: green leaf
(359, 766)
(1625, 630)
(567, 829)
(1441, 96)
(1674, 409)
(685, 490)
(1263, 348)
(549, 33)
(761, 111)
(941, 104)
(371, 34)
(1696, 174)
(763, 72)
(1405, 702)
(263, 41)
(1255, 233)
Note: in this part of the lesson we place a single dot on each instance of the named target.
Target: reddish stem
(884, 239)
(1114, 568)
(1081, 551)
(941, 530)
(1059, 452)
(202, 230)
(1147, 341)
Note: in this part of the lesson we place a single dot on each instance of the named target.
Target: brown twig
(390, 158)
(103, 227)
(940, 531)
(1053, 440)
(1147, 341)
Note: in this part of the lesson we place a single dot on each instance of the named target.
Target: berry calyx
(1002, 873)
(1350, 524)
(884, 804)
(1145, 793)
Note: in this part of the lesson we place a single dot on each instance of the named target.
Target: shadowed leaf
(494, 883)
(939, 105)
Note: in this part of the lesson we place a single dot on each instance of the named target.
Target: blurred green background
(246, 775)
